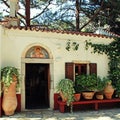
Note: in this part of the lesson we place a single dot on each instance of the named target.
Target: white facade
(14, 44)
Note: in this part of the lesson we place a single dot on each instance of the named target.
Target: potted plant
(100, 88)
(109, 89)
(9, 79)
(87, 84)
(66, 89)
(77, 94)
(78, 91)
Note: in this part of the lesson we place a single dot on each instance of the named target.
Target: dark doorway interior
(37, 86)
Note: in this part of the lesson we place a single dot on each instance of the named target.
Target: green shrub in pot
(100, 88)
(86, 82)
(66, 86)
(7, 74)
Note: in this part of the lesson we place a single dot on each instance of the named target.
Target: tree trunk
(27, 12)
(77, 15)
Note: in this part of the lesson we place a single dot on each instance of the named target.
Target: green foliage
(7, 75)
(117, 87)
(101, 83)
(61, 14)
(72, 45)
(90, 83)
(107, 81)
(67, 88)
(99, 48)
(112, 50)
(86, 83)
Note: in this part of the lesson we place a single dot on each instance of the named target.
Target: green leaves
(86, 82)
(72, 45)
(7, 74)
(112, 50)
(99, 48)
(67, 88)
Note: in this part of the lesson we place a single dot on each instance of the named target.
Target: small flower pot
(88, 95)
(77, 96)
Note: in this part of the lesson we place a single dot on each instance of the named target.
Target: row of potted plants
(91, 84)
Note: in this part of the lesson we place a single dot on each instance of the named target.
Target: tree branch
(93, 16)
(42, 11)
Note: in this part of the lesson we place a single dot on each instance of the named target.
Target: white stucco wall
(15, 42)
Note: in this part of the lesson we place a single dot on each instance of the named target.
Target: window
(72, 69)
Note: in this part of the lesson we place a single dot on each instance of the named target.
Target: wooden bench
(94, 102)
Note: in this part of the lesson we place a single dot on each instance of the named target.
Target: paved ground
(47, 114)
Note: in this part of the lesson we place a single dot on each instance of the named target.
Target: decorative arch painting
(37, 52)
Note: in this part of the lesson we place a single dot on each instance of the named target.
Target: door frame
(51, 79)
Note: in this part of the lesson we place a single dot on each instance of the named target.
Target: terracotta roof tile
(37, 28)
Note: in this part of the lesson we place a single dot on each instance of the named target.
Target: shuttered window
(93, 68)
(69, 70)
(72, 69)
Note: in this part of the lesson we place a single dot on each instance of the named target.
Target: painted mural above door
(37, 52)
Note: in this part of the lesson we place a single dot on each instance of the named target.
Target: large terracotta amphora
(9, 102)
(109, 90)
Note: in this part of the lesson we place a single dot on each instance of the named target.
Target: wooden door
(37, 86)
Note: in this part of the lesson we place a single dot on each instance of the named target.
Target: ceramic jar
(9, 102)
(108, 91)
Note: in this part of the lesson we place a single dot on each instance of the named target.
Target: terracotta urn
(109, 90)
(9, 102)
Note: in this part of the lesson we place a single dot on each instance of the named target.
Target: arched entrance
(36, 71)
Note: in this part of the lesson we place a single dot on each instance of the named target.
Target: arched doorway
(36, 72)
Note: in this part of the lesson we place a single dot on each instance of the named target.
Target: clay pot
(77, 96)
(9, 102)
(88, 95)
(108, 91)
(99, 95)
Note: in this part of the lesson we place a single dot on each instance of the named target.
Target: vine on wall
(71, 45)
(112, 50)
